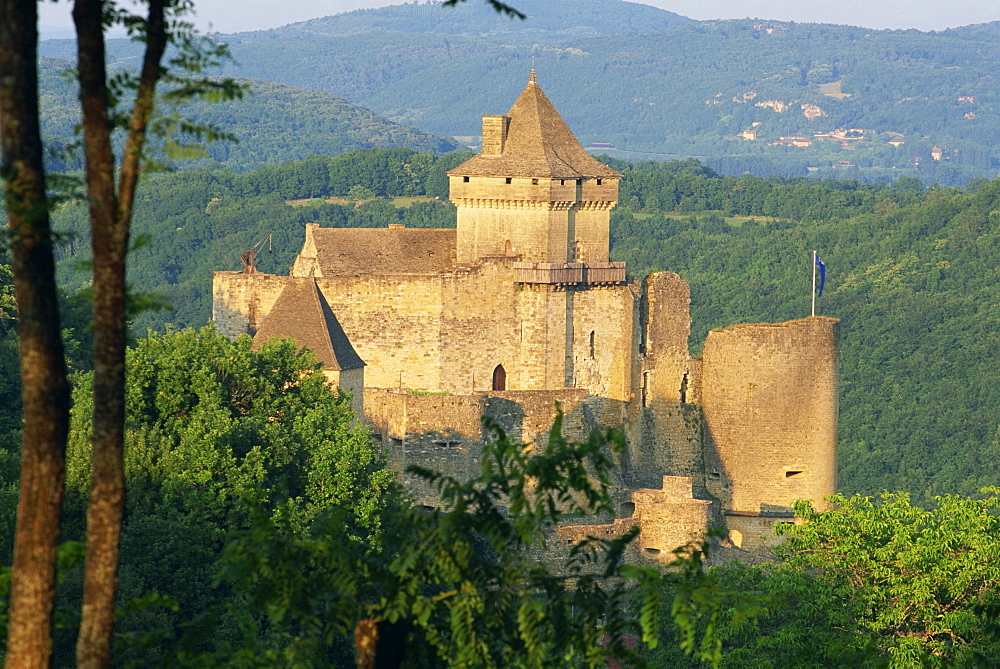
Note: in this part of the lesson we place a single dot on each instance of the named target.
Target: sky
(230, 16)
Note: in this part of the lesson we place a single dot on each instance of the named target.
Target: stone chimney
(494, 134)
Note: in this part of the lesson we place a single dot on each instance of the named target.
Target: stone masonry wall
(394, 324)
(542, 218)
(447, 332)
(664, 422)
(667, 517)
(241, 302)
(769, 395)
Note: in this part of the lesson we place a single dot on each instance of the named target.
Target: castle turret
(533, 191)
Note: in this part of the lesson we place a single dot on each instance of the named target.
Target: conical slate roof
(301, 313)
(539, 144)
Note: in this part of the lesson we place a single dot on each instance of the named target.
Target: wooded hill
(912, 273)
(272, 123)
(643, 79)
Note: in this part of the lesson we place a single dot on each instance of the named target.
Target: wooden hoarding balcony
(570, 273)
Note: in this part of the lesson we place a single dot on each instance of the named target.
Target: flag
(822, 274)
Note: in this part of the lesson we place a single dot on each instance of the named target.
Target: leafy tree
(359, 192)
(211, 428)
(915, 578)
(460, 585)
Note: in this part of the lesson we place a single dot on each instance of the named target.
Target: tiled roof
(301, 313)
(539, 144)
(358, 251)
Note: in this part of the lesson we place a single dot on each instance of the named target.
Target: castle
(520, 307)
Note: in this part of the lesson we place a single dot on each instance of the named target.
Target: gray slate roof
(539, 144)
(360, 251)
(302, 314)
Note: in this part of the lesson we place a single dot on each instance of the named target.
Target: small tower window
(600, 181)
(507, 248)
(499, 378)
(507, 180)
(534, 182)
(562, 182)
(465, 179)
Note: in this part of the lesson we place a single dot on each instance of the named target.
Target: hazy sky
(230, 16)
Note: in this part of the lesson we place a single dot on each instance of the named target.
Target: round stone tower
(769, 395)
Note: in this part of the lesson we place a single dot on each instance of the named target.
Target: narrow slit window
(591, 343)
(792, 473)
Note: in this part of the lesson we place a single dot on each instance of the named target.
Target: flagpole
(814, 285)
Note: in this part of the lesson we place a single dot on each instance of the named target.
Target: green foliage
(213, 430)
(867, 583)
(272, 123)
(913, 578)
(456, 586)
(212, 423)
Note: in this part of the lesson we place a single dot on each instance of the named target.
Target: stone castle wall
(446, 433)
(769, 396)
(241, 301)
(394, 323)
(668, 517)
(664, 426)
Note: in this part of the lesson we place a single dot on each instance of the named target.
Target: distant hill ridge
(549, 20)
(751, 95)
(274, 123)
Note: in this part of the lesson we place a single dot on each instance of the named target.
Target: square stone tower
(533, 192)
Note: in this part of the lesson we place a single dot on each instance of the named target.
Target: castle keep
(520, 307)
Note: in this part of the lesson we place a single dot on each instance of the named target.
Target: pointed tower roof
(301, 313)
(538, 143)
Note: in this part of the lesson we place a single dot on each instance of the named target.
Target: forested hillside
(912, 273)
(272, 123)
(662, 85)
(745, 95)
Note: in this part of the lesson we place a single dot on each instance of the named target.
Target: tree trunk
(43, 369)
(110, 218)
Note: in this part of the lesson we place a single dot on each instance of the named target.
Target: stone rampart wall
(667, 518)
(448, 332)
(749, 539)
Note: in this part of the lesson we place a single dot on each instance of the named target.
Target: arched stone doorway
(499, 378)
